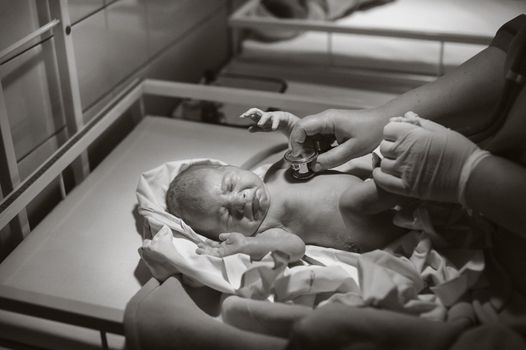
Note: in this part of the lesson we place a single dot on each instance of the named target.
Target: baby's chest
(312, 205)
(310, 211)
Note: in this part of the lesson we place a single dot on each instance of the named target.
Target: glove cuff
(470, 164)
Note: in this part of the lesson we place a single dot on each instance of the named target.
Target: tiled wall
(115, 42)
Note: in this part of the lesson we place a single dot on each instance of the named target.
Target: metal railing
(60, 28)
(244, 18)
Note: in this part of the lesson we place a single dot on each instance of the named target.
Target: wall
(115, 42)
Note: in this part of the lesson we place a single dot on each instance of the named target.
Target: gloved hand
(425, 160)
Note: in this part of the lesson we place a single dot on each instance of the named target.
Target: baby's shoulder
(275, 170)
(275, 227)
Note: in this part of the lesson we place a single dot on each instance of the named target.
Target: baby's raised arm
(256, 246)
(270, 121)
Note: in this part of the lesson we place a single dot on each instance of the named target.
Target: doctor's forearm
(462, 97)
(497, 189)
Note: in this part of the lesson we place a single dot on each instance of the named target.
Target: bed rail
(102, 318)
(243, 18)
(26, 191)
(5, 53)
(60, 28)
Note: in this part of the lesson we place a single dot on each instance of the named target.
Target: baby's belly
(331, 238)
(326, 229)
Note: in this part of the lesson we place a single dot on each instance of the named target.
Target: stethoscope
(515, 79)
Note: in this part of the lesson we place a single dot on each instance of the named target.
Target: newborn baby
(242, 213)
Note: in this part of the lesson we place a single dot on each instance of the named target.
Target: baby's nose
(239, 200)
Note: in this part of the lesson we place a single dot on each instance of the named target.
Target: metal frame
(69, 86)
(243, 19)
(28, 38)
(69, 81)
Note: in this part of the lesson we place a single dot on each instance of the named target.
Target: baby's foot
(156, 252)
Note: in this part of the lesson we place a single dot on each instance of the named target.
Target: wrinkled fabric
(412, 277)
(409, 276)
(271, 278)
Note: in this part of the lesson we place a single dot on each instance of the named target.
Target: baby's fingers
(275, 123)
(224, 237)
(254, 128)
(146, 244)
(210, 251)
(204, 245)
(265, 120)
(253, 113)
(209, 242)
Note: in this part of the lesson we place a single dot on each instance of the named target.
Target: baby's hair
(185, 193)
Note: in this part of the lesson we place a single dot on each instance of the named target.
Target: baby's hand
(231, 243)
(270, 121)
(409, 117)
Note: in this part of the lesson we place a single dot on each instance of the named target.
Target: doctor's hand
(231, 243)
(425, 160)
(356, 132)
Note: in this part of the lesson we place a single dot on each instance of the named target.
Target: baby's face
(236, 200)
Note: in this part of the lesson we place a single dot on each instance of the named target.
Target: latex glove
(357, 133)
(426, 160)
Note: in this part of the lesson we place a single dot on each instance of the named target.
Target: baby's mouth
(255, 205)
(260, 203)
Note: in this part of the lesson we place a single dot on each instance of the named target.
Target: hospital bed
(411, 36)
(68, 282)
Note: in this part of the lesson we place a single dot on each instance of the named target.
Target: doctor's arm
(464, 96)
(497, 189)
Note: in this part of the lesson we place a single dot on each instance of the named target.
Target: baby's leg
(367, 211)
(262, 317)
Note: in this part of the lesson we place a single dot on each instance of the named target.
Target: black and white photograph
(262, 174)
